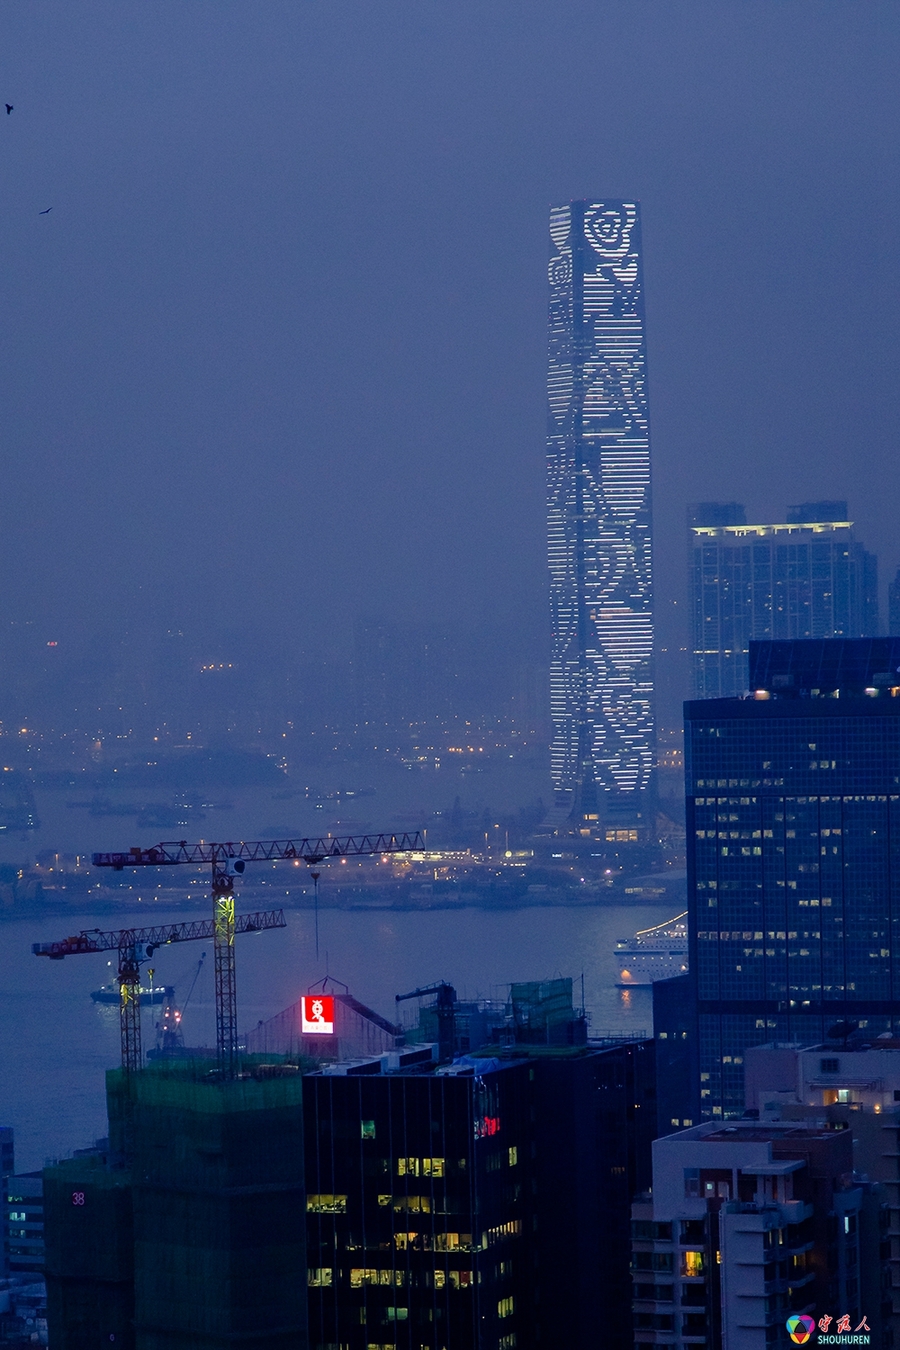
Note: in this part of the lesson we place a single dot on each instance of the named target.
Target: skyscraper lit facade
(807, 578)
(599, 509)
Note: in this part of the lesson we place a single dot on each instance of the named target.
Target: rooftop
(805, 666)
(761, 531)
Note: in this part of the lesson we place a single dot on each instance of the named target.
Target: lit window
(361, 1275)
(504, 1230)
(691, 1264)
(396, 1314)
(513, 1156)
(326, 1204)
(415, 1204)
(367, 1129)
(505, 1307)
(320, 1277)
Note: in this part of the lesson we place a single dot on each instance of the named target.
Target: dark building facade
(793, 825)
(677, 1070)
(809, 577)
(482, 1207)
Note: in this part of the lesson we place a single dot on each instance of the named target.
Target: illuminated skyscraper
(598, 466)
(807, 578)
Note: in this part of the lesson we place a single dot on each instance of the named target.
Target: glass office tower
(793, 825)
(806, 578)
(599, 523)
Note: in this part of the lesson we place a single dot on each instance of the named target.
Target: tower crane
(228, 861)
(135, 945)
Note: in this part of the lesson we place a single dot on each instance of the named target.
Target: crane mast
(445, 1005)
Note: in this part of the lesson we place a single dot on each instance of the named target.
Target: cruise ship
(655, 953)
(110, 993)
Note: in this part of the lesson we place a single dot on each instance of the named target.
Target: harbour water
(55, 1043)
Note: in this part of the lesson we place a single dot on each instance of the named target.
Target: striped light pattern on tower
(599, 510)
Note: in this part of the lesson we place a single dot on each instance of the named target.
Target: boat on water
(655, 953)
(157, 994)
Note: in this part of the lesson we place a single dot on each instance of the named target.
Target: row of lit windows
(434, 1242)
(726, 935)
(337, 1204)
(425, 1167)
(722, 802)
(323, 1277)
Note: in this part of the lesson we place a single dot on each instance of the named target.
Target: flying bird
(9, 108)
(45, 213)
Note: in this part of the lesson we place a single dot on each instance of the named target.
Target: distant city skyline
(599, 505)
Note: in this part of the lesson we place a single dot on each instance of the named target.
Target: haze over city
(275, 360)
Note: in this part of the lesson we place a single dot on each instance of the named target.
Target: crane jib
(307, 850)
(92, 940)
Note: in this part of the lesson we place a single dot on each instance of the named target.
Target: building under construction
(200, 1242)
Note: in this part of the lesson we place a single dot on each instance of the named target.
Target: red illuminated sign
(487, 1126)
(318, 1014)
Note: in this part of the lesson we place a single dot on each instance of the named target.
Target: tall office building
(807, 578)
(793, 830)
(598, 453)
(482, 1206)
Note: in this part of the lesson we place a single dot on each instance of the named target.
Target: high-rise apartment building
(850, 1082)
(793, 833)
(807, 578)
(749, 1224)
(599, 519)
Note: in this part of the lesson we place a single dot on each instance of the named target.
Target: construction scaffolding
(204, 1232)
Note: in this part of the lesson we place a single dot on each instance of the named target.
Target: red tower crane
(228, 861)
(135, 945)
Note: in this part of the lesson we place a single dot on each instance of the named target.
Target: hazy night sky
(277, 354)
